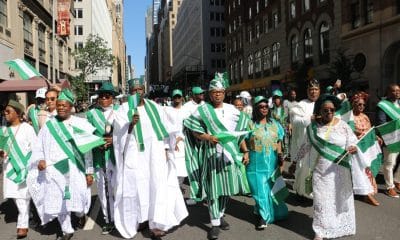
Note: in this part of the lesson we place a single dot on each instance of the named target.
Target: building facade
(198, 42)
(27, 32)
(275, 42)
(370, 32)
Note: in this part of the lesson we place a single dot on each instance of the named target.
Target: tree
(342, 67)
(93, 56)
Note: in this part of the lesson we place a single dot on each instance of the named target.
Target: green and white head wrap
(66, 95)
(220, 81)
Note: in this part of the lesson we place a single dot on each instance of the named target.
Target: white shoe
(190, 202)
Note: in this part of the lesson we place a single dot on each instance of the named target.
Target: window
(212, 2)
(77, 0)
(266, 24)
(78, 45)
(78, 30)
(398, 6)
(308, 53)
(42, 43)
(369, 11)
(212, 32)
(275, 55)
(266, 58)
(78, 13)
(212, 47)
(265, 3)
(211, 16)
(306, 5)
(258, 61)
(257, 30)
(250, 33)
(28, 28)
(324, 43)
(275, 20)
(250, 64)
(3, 12)
(241, 68)
(213, 63)
(249, 12)
(257, 7)
(355, 15)
(236, 70)
(294, 46)
(292, 9)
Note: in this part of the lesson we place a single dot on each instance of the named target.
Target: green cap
(259, 99)
(66, 95)
(328, 89)
(177, 92)
(107, 87)
(16, 105)
(220, 81)
(136, 82)
(197, 90)
(277, 92)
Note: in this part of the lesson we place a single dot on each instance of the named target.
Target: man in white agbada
(197, 100)
(147, 186)
(175, 116)
(102, 118)
(301, 116)
(16, 142)
(60, 175)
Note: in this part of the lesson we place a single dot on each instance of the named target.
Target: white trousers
(102, 194)
(389, 164)
(65, 222)
(23, 212)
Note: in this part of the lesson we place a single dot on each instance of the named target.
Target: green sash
(326, 149)
(17, 159)
(33, 116)
(390, 109)
(158, 126)
(66, 142)
(96, 117)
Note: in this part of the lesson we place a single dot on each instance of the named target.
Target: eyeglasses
(263, 106)
(361, 104)
(51, 99)
(328, 110)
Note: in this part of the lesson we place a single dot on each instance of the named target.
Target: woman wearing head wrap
(363, 181)
(265, 146)
(16, 142)
(329, 141)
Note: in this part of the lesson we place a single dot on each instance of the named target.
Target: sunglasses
(361, 104)
(51, 99)
(263, 106)
(328, 110)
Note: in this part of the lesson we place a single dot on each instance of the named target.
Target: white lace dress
(334, 214)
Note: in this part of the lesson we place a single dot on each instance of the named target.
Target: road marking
(93, 215)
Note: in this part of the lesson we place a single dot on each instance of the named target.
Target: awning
(23, 85)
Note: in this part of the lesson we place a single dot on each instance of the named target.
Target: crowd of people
(139, 153)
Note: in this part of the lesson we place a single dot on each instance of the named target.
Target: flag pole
(52, 42)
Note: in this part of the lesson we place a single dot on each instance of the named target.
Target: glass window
(266, 58)
(369, 11)
(355, 15)
(3, 12)
(275, 55)
(212, 32)
(250, 12)
(250, 33)
(257, 30)
(266, 24)
(275, 19)
(324, 43)
(257, 7)
(241, 68)
(250, 64)
(292, 8)
(258, 61)
(28, 28)
(308, 44)
(78, 13)
(306, 5)
(265, 3)
(78, 30)
(294, 46)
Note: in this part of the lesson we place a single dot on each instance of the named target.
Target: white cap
(41, 93)
(245, 94)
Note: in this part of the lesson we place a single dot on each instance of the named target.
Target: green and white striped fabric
(371, 151)
(346, 113)
(279, 192)
(210, 175)
(390, 109)
(390, 133)
(17, 159)
(326, 149)
(33, 116)
(23, 68)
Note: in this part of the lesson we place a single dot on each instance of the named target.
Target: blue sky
(134, 30)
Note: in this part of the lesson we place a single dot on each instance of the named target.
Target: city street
(372, 222)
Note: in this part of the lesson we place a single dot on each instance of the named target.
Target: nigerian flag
(390, 133)
(133, 102)
(23, 68)
(225, 137)
(371, 151)
(345, 112)
(279, 192)
(86, 141)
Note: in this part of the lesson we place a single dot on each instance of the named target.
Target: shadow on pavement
(292, 224)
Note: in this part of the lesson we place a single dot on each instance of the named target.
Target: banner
(63, 21)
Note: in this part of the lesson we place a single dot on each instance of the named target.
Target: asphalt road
(381, 222)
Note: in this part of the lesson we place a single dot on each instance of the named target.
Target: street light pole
(53, 38)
